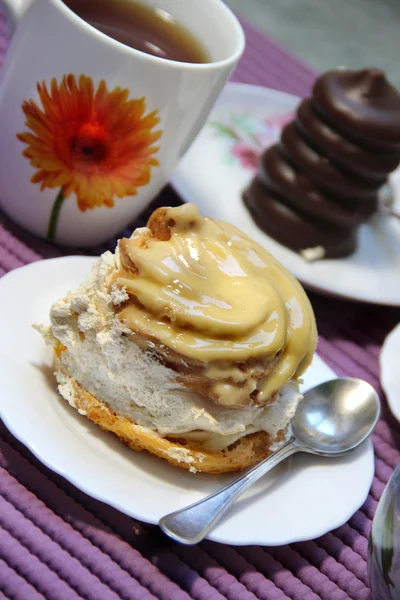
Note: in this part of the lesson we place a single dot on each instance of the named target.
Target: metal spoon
(332, 419)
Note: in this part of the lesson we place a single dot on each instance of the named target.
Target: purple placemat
(59, 544)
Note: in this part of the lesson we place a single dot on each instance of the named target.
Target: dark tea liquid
(144, 28)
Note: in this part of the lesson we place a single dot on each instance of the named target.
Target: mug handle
(14, 11)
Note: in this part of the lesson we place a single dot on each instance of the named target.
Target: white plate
(390, 378)
(213, 177)
(305, 499)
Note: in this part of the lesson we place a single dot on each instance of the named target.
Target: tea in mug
(150, 30)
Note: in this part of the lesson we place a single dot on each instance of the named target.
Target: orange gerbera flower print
(95, 143)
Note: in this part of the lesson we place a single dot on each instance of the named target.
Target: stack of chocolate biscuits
(321, 181)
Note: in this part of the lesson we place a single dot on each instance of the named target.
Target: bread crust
(245, 452)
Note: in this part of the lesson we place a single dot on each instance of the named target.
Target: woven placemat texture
(56, 543)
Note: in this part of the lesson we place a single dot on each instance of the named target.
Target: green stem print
(238, 130)
(226, 130)
(55, 213)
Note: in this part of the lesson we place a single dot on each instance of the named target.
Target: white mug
(90, 129)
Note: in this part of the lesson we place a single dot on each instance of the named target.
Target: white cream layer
(104, 360)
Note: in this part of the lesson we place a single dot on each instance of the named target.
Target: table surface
(57, 543)
(325, 34)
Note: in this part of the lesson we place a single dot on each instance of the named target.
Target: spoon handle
(191, 524)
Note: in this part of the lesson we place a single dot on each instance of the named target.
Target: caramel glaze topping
(210, 294)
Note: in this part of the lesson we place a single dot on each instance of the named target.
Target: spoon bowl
(336, 416)
(332, 419)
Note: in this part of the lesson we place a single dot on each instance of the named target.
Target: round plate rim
(79, 484)
(391, 343)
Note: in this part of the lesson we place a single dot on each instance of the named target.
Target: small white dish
(221, 163)
(302, 500)
(390, 379)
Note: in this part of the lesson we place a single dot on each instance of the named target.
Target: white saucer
(390, 379)
(301, 500)
(212, 175)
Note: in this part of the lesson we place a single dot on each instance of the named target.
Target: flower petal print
(249, 136)
(95, 143)
(248, 156)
